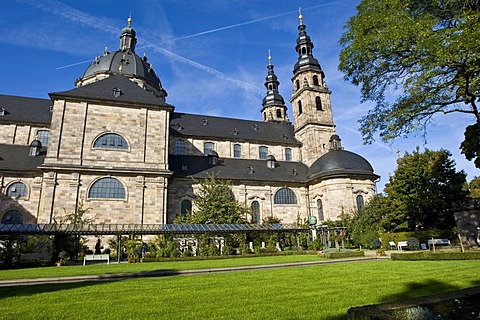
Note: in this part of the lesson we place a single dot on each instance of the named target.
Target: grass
(309, 292)
(78, 270)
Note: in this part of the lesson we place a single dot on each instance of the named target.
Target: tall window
(111, 141)
(186, 207)
(297, 84)
(320, 210)
(279, 113)
(237, 151)
(179, 147)
(107, 188)
(300, 110)
(255, 206)
(262, 152)
(360, 203)
(207, 147)
(285, 196)
(13, 217)
(43, 136)
(315, 80)
(288, 154)
(17, 190)
(318, 103)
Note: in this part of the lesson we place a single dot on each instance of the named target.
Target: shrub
(415, 256)
(315, 245)
(413, 244)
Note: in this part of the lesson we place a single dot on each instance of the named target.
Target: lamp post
(312, 221)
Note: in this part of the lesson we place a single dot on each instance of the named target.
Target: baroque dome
(339, 163)
(126, 62)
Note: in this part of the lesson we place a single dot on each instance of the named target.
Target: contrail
(251, 22)
(73, 64)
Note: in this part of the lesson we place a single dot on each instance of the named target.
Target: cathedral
(114, 145)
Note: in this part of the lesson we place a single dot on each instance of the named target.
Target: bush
(416, 256)
(340, 255)
(315, 245)
(413, 244)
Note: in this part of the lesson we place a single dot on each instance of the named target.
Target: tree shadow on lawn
(55, 285)
(428, 287)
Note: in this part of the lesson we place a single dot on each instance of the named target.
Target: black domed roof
(340, 162)
(127, 63)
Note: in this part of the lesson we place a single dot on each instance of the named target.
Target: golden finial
(269, 57)
(300, 17)
(120, 68)
(129, 20)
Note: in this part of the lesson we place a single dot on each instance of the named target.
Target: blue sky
(211, 57)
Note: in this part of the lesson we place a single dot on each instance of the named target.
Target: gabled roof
(192, 125)
(105, 89)
(238, 169)
(16, 158)
(25, 110)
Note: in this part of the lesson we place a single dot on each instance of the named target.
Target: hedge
(415, 256)
(340, 255)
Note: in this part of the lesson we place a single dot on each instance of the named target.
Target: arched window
(17, 190)
(111, 141)
(237, 151)
(255, 206)
(297, 84)
(186, 207)
(288, 154)
(262, 152)
(315, 80)
(207, 147)
(300, 107)
(179, 147)
(285, 196)
(360, 203)
(318, 103)
(43, 136)
(107, 188)
(320, 210)
(279, 113)
(13, 217)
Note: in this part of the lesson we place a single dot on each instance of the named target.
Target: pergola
(120, 230)
(143, 229)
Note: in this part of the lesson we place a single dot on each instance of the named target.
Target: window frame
(288, 154)
(360, 203)
(16, 184)
(207, 146)
(3, 221)
(104, 195)
(262, 152)
(42, 135)
(237, 150)
(97, 144)
(179, 147)
(285, 196)
(255, 207)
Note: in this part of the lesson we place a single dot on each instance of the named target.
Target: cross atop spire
(300, 17)
(269, 57)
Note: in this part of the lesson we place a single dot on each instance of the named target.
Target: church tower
(312, 112)
(274, 109)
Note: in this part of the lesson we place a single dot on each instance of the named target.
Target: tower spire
(128, 38)
(274, 109)
(300, 17)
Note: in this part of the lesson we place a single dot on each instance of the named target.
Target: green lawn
(310, 292)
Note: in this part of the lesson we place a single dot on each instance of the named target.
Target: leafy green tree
(365, 227)
(421, 192)
(474, 188)
(215, 203)
(425, 50)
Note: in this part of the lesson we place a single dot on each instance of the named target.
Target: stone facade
(147, 168)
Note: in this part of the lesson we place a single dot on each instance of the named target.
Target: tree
(215, 203)
(474, 188)
(426, 50)
(421, 192)
(366, 226)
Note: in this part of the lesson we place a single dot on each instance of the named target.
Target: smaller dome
(340, 162)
